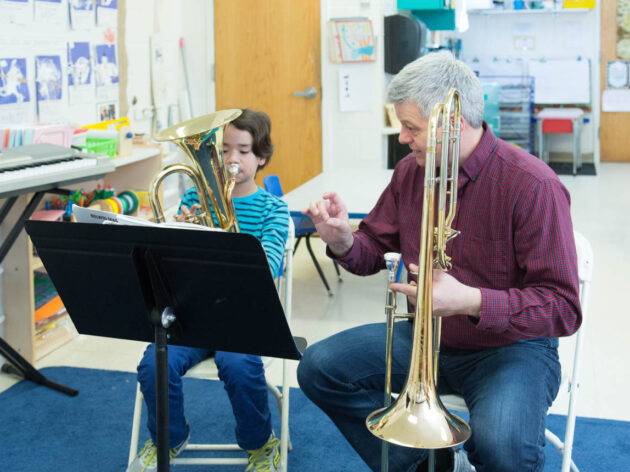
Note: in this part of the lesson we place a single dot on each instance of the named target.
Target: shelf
(389, 130)
(542, 11)
(37, 264)
(138, 154)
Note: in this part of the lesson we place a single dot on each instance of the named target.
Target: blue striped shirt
(260, 214)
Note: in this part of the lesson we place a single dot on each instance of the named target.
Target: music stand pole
(159, 304)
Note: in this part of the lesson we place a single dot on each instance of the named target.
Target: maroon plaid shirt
(516, 244)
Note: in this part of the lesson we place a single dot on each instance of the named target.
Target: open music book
(91, 215)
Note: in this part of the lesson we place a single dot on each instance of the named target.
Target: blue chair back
(272, 185)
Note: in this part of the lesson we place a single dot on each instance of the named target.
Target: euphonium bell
(418, 418)
(202, 140)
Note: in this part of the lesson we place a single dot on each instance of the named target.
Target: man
(512, 290)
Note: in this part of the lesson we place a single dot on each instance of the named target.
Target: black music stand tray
(187, 287)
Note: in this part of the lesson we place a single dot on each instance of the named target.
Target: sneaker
(265, 459)
(460, 462)
(449, 460)
(146, 460)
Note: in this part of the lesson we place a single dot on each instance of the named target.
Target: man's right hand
(330, 218)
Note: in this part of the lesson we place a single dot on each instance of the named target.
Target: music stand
(195, 288)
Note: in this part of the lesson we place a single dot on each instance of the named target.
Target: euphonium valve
(202, 140)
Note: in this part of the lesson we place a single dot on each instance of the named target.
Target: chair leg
(297, 242)
(319, 269)
(338, 272)
(135, 425)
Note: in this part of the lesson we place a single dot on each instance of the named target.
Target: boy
(246, 142)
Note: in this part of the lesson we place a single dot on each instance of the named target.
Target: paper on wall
(616, 100)
(355, 89)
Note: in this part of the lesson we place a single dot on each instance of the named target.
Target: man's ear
(261, 161)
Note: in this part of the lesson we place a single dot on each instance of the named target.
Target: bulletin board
(59, 61)
(561, 81)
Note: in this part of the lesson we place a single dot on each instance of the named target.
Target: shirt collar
(473, 165)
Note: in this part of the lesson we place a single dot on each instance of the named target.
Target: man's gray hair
(427, 80)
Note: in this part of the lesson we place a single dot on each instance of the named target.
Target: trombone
(417, 418)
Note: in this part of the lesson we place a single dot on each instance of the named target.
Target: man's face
(413, 131)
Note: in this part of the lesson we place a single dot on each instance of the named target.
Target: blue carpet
(46, 431)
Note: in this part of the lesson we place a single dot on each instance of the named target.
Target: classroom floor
(601, 212)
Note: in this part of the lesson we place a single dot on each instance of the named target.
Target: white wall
(354, 139)
(558, 35)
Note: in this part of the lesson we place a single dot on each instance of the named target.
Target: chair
(560, 121)
(571, 381)
(304, 229)
(207, 370)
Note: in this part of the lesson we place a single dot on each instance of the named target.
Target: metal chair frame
(207, 370)
(570, 382)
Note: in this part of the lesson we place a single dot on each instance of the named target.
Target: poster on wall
(80, 84)
(81, 14)
(49, 85)
(16, 11)
(51, 11)
(107, 111)
(14, 93)
(107, 13)
(351, 40)
(106, 72)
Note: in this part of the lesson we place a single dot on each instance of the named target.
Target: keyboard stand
(17, 365)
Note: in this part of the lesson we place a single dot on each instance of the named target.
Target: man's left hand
(450, 297)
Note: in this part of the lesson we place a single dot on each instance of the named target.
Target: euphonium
(418, 418)
(202, 140)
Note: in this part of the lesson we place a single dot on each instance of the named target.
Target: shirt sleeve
(378, 233)
(274, 234)
(547, 304)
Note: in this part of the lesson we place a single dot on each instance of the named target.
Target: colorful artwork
(82, 4)
(106, 68)
(351, 41)
(48, 78)
(13, 84)
(79, 65)
(108, 4)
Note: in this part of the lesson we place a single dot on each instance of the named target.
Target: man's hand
(183, 216)
(450, 297)
(330, 218)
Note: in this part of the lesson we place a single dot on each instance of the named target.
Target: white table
(359, 189)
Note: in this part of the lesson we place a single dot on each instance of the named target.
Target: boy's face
(237, 149)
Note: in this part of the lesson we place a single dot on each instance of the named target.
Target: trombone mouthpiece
(392, 260)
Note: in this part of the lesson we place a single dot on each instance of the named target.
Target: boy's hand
(186, 213)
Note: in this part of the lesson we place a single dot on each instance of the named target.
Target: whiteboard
(561, 81)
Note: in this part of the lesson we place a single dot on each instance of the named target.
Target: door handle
(309, 93)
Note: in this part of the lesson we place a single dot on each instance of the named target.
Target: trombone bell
(421, 422)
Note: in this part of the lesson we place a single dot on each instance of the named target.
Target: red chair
(560, 121)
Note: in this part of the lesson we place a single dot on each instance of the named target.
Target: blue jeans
(507, 389)
(243, 377)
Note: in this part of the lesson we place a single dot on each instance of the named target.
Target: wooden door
(613, 126)
(265, 51)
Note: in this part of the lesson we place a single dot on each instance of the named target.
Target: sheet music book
(561, 81)
(94, 216)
